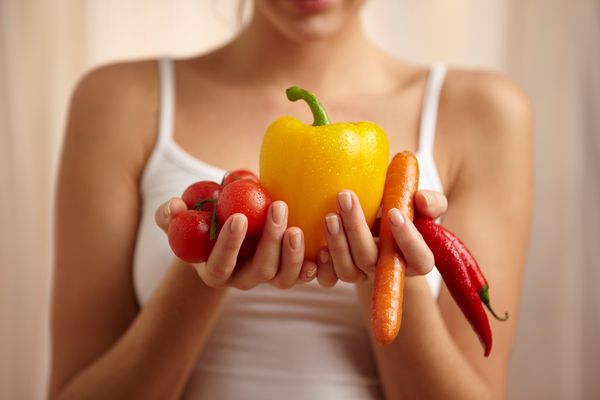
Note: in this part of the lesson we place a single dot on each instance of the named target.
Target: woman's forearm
(423, 361)
(155, 355)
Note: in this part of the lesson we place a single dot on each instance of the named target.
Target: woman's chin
(317, 27)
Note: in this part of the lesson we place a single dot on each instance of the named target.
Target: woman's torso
(305, 342)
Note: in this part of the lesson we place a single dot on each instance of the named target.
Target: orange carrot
(401, 184)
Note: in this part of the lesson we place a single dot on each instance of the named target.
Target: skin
(483, 151)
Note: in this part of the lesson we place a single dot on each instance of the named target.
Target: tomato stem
(213, 224)
(202, 202)
(213, 221)
(296, 93)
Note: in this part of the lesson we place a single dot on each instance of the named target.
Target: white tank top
(301, 343)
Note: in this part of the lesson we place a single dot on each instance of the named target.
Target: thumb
(167, 210)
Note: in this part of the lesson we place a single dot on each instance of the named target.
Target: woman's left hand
(351, 252)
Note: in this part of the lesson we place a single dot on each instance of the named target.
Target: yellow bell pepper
(306, 166)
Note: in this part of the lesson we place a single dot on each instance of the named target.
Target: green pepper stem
(296, 93)
(484, 295)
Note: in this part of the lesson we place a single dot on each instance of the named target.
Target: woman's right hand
(278, 260)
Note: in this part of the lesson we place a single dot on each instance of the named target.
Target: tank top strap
(430, 178)
(166, 113)
(429, 111)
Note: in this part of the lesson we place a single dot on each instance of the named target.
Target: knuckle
(292, 257)
(282, 284)
(217, 275)
(429, 263)
(352, 227)
(338, 247)
(366, 264)
(231, 245)
(244, 285)
(402, 236)
(424, 265)
(423, 269)
(350, 274)
(274, 235)
(266, 273)
(327, 283)
(272, 230)
(213, 284)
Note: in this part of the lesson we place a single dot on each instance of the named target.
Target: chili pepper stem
(484, 295)
(295, 93)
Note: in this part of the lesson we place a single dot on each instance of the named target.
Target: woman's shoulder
(472, 97)
(485, 100)
(117, 83)
(481, 112)
(113, 111)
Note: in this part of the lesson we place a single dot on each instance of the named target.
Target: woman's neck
(266, 56)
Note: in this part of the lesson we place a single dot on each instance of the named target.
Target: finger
(217, 270)
(339, 250)
(325, 273)
(292, 255)
(166, 211)
(419, 257)
(431, 204)
(308, 271)
(360, 240)
(265, 263)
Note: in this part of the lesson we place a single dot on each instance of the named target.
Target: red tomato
(201, 191)
(246, 197)
(189, 235)
(238, 175)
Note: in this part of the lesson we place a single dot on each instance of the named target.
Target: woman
(131, 321)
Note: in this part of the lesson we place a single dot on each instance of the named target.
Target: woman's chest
(229, 135)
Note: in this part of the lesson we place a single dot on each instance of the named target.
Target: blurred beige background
(551, 47)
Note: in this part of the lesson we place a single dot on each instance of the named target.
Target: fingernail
(345, 200)
(333, 224)
(167, 209)
(311, 272)
(323, 256)
(295, 240)
(427, 198)
(238, 223)
(396, 217)
(278, 212)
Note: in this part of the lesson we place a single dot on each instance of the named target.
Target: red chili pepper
(481, 285)
(456, 276)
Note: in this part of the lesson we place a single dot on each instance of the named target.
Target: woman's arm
(437, 354)
(103, 345)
